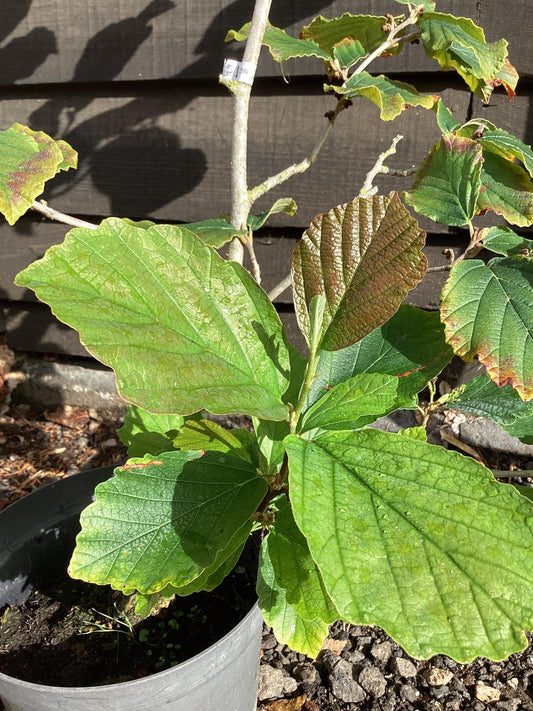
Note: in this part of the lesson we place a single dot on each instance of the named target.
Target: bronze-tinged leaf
(363, 256)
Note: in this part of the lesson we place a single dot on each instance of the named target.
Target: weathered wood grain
(47, 41)
(166, 154)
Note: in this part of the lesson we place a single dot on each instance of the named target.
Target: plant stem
(240, 202)
(284, 175)
(44, 209)
(310, 374)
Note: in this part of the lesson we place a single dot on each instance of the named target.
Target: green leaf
(144, 432)
(503, 240)
(419, 540)
(457, 43)
(286, 205)
(216, 233)
(183, 329)
(270, 435)
(429, 5)
(198, 435)
(410, 345)
(488, 312)
(290, 587)
(506, 189)
(352, 404)
(281, 45)
(418, 433)
(508, 146)
(363, 256)
(348, 52)
(445, 119)
(448, 181)
(480, 396)
(390, 96)
(366, 29)
(164, 521)
(27, 160)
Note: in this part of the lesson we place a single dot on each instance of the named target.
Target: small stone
(409, 693)
(403, 667)
(341, 680)
(513, 683)
(508, 705)
(268, 641)
(439, 692)
(289, 685)
(373, 681)
(438, 677)
(305, 673)
(381, 652)
(487, 693)
(271, 683)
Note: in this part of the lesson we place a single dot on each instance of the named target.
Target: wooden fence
(134, 88)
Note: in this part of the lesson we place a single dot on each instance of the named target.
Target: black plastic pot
(37, 535)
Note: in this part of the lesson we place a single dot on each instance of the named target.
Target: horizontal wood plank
(511, 21)
(47, 41)
(167, 155)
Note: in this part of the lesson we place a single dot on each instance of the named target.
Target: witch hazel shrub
(367, 526)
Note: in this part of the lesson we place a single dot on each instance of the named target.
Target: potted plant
(367, 526)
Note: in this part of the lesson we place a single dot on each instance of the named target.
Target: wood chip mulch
(40, 447)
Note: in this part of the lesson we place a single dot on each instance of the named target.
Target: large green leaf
(196, 435)
(503, 240)
(390, 96)
(508, 146)
(281, 45)
(506, 189)
(144, 432)
(352, 404)
(363, 256)
(482, 397)
(290, 587)
(457, 43)
(445, 119)
(183, 329)
(27, 160)
(163, 522)
(410, 345)
(366, 29)
(448, 181)
(419, 540)
(488, 312)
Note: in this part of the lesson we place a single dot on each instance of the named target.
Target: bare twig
(280, 288)
(284, 175)
(367, 190)
(44, 209)
(240, 203)
(441, 268)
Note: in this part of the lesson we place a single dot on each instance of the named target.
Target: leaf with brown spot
(487, 310)
(27, 160)
(363, 256)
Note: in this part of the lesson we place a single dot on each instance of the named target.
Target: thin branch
(399, 173)
(280, 288)
(367, 190)
(240, 203)
(284, 175)
(44, 209)
(441, 268)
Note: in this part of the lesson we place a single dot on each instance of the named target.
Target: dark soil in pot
(70, 633)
